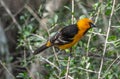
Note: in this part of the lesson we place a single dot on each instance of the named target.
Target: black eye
(91, 24)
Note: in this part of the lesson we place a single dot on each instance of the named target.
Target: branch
(107, 35)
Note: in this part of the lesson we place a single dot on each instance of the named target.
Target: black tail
(40, 49)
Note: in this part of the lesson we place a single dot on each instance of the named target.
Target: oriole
(68, 36)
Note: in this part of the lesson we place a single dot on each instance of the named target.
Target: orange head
(85, 23)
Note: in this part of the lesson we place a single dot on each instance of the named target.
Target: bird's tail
(40, 49)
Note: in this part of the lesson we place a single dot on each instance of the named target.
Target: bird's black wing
(65, 35)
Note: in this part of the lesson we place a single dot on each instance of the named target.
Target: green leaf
(112, 38)
(67, 8)
(96, 5)
(108, 12)
(56, 18)
(88, 65)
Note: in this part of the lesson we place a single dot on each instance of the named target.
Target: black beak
(92, 25)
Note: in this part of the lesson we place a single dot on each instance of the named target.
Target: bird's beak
(92, 25)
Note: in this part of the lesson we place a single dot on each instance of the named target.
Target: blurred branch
(87, 70)
(33, 13)
(98, 34)
(50, 63)
(84, 10)
(4, 53)
(11, 15)
(108, 68)
(68, 67)
(72, 11)
(107, 35)
(7, 71)
(114, 41)
(116, 26)
(69, 77)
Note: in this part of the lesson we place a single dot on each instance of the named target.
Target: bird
(68, 36)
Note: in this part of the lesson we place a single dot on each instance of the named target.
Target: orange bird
(68, 36)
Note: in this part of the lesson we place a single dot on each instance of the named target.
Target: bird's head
(85, 23)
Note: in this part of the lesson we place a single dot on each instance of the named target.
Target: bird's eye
(91, 24)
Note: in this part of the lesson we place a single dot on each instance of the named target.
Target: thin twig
(107, 70)
(99, 34)
(107, 35)
(36, 17)
(50, 63)
(88, 44)
(72, 11)
(114, 41)
(30, 73)
(87, 70)
(67, 70)
(7, 70)
(56, 55)
(89, 39)
(84, 10)
(33, 13)
(69, 77)
(116, 26)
